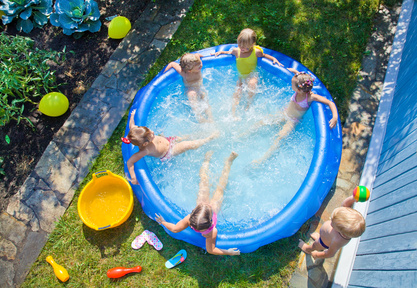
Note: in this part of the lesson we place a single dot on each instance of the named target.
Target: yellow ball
(119, 27)
(361, 193)
(54, 104)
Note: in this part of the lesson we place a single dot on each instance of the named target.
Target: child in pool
(203, 218)
(346, 223)
(157, 146)
(247, 55)
(190, 70)
(301, 83)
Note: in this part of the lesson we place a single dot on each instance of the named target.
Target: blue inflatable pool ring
(309, 197)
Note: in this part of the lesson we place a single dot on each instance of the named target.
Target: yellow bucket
(106, 201)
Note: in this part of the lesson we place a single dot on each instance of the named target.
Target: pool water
(254, 193)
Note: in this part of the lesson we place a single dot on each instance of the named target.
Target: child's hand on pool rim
(233, 251)
(159, 219)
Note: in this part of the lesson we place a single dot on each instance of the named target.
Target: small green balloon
(54, 104)
(119, 27)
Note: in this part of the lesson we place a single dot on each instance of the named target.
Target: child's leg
(236, 97)
(183, 146)
(204, 187)
(217, 199)
(192, 95)
(286, 129)
(315, 246)
(252, 83)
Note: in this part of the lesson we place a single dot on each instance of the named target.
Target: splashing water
(254, 193)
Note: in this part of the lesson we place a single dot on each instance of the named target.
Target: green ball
(119, 27)
(54, 104)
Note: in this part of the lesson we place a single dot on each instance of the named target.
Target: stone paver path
(47, 192)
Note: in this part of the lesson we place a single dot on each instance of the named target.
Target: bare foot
(208, 155)
(216, 134)
(303, 246)
(232, 156)
(315, 236)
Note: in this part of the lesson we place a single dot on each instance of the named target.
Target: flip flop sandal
(177, 259)
(140, 240)
(154, 241)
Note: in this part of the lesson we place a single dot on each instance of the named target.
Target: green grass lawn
(328, 37)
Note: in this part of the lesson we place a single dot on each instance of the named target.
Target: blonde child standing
(302, 84)
(247, 54)
(190, 69)
(160, 147)
(203, 218)
(346, 223)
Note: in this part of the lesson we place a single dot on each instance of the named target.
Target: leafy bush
(76, 16)
(24, 74)
(30, 13)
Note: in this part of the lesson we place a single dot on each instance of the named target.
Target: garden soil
(83, 64)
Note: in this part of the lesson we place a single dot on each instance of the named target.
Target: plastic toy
(119, 27)
(147, 236)
(60, 272)
(54, 104)
(361, 193)
(177, 259)
(118, 272)
(106, 201)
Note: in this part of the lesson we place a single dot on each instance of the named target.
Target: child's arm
(131, 165)
(212, 249)
(181, 225)
(269, 57)
(132, 119)
(293, 70)
(348, 202)
(333, 108)
(328, 252)
(174, 65)
(225, 52)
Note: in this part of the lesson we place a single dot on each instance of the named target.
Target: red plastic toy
(118, 272)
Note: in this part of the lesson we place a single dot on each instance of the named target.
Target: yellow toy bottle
(60, 272)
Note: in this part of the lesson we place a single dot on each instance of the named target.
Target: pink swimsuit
(214, 221)
(303, 104)
(168, 155)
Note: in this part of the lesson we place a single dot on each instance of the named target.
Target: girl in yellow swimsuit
(247, 54)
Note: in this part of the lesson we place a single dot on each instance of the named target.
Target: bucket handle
(101, 173)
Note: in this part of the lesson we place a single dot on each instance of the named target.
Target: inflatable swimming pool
(303, 205)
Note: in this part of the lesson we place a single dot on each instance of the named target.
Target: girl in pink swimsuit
(157, 146)
(302, 84)
(203, 218)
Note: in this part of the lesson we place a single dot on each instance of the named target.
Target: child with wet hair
(345, 223)
(203, 218)
(247, 54)
(160, 147)
(190, 69)
(302, 84)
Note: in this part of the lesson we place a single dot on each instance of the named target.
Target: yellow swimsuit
(245, 66)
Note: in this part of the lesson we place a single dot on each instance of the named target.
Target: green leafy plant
(76, 16)
(2, 173)
(29, 13)
(25, 75)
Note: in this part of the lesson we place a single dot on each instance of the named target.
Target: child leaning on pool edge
(302, 84)
(160, 147)
(346, 223)
(203, 218)
(190, 70)
(247, 55)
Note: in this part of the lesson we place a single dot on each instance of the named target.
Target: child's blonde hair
(139, 135)
(188, 61)
(304, 81)
(246, 38)
(348, 221)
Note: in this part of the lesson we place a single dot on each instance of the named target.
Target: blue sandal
(177, 259)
